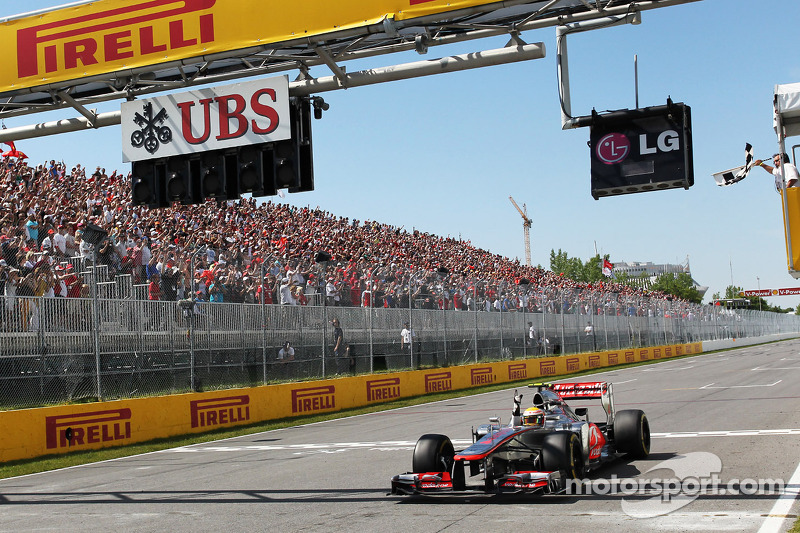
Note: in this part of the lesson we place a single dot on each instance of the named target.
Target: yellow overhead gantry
(92, 51)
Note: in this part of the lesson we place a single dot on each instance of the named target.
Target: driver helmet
(533, 416)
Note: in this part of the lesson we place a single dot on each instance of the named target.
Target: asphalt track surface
(742, 406)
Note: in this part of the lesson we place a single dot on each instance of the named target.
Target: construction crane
(526, 228)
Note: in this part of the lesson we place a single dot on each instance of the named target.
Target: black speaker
(94, 234)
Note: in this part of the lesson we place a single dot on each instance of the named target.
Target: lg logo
(615, 147)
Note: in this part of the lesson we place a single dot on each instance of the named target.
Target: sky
(442, 154)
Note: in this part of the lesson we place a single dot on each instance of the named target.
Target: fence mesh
(55, 350)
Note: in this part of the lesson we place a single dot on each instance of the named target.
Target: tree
(680, 286)
(572, 267)
(732, 291)
(561, 263)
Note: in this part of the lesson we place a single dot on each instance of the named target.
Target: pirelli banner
(29, 433)
(107, 36)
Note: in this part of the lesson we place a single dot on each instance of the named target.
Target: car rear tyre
(632, 433)
(433, 453)
(562, 452)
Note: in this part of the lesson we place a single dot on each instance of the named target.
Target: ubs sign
(228, 116)
(641, 150)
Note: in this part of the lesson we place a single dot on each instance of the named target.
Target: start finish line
(771, 292)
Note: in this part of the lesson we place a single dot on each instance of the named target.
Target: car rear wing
(554, 393)
(592, 390)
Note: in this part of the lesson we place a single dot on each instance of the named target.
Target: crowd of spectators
(247, 251)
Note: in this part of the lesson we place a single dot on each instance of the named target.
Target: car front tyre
(433, 453)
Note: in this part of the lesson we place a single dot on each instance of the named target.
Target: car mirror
(582, 411)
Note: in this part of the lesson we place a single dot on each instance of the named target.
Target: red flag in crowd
(608, 268)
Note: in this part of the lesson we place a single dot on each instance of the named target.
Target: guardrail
(55, 350)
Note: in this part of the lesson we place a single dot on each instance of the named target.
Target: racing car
(539, 451)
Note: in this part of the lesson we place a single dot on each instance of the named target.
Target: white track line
(667, 369)
(782, 506)
(709, 386)
(409, 444)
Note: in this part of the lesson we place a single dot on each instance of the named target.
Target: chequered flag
(729, 177)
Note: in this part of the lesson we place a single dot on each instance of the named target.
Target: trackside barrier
(29, 433)
(62, 350)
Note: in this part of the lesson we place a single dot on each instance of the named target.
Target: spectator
(407, 336)
(286, 353)
(154, 288)
(393, 266)
(286, 291)
(338, 345)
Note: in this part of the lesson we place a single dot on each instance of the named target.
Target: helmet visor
(533, 420)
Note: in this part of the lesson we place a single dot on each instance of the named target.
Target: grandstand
(104, 299)
(244, 242)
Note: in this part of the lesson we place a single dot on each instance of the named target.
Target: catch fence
(56, 350)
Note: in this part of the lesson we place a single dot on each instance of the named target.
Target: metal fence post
(444, 331)
(411, 319)
(524, 303)
(475, 310)
(563, 334)
(502, 354)
(96, 325)
(191, 346)
(370, 310)
(605, 323)
(263, 329)
(543, 304)
(324, 331)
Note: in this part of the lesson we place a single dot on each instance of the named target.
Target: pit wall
(30, 433)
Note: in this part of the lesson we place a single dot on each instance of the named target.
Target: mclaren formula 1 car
(538, 452)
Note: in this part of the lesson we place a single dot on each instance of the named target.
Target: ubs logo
(152, 133)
